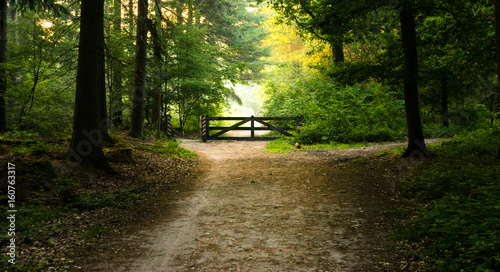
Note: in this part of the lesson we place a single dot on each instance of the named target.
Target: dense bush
(365, 112)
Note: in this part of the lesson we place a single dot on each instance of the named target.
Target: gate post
(204, 128)
(252, 124)
(169, 125)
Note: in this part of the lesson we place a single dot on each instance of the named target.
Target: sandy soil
(308, 210)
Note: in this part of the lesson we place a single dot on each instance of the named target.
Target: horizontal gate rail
(255, 118)
(206, 128)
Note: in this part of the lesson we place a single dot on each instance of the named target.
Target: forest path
(309, 210)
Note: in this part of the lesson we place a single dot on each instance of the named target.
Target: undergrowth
(170, 149)
(459, 228)
(82, 206)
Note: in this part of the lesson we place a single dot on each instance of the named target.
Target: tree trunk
(116, 96)
(416, 144)
(87, 137)
(13, 21)
(444, 98)
(103, 113)
(158, 61)
(338, 52)
(137, 118)
(3, 59)
(497, 37)
(131, 16)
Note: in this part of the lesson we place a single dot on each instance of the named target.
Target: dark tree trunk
(12, 10)
(3, 59)
(116, 97)
(497, 37)
(338, 52)
(86, 141)
(103, 113)
(444, 99)
(137, 118)
(416, 144)
(158, 60)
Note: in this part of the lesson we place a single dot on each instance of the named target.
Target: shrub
(366, 112)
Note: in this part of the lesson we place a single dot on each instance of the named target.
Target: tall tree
(497, 37)
(3, 59)
(115, 92)
(87, 137)
(137, 117)
(416, 143)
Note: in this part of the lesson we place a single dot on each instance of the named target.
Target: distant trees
(446, 82)
(334, 22)
(197, 49)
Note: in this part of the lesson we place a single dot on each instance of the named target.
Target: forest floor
(245, 209)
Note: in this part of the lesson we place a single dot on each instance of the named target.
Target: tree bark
(116, 96)
(416, 144)
(87, 137)
(3, 59)
(137, 118)
(338, 52)
(103, 113)
(497, 38)
(131, 16)
(156, 30)
(13, 21)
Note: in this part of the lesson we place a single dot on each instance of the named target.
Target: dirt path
(255, 211)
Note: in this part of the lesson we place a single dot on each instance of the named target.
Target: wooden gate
(206, 128)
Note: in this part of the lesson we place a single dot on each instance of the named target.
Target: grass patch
(279, 146)
(284, 145)
(170, 149)
(335, 145)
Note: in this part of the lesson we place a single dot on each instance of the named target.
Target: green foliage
(41, 63)
(334, 145)
(363, 113)
(433, 130)
(171, 149)
(36, 148)
(20, 135)
(279, 146)
(460, 229)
